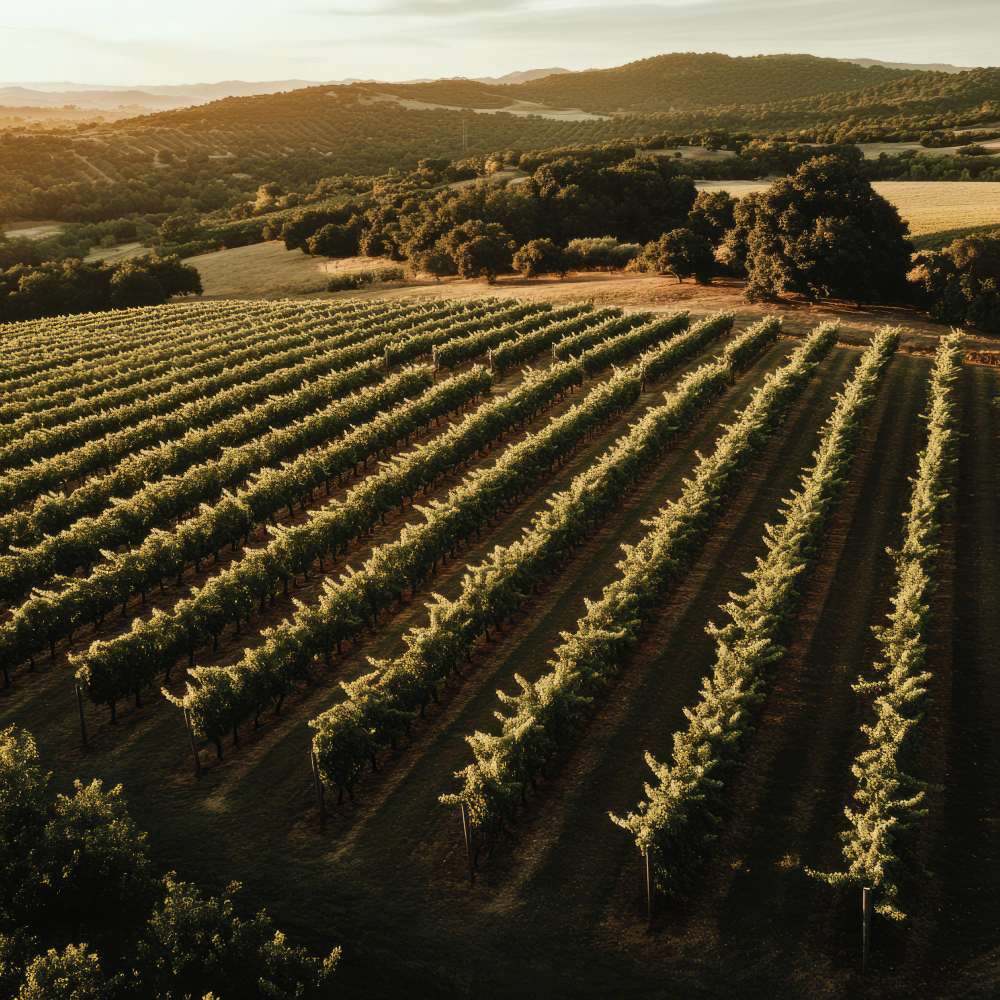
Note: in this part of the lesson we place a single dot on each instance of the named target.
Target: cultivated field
(183, 489)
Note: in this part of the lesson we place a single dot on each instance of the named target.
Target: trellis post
(468, 842)
(649, 886)
(318, 782)
(194, 749)
(866, 927)
(83, 721)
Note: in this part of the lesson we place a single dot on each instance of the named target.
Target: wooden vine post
(866, 927)
(649, 886)
(468, 842)
(194, 749)
(83, 721)
(318, 782)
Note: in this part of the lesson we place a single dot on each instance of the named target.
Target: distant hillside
(88, 100)
(677, 82)
(913, 67)
(156, 97)
(45, 119)
(526, 76)
(210, 151)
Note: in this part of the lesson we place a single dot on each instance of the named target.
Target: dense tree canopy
(567, 198)
(74, 286)
(823, 232)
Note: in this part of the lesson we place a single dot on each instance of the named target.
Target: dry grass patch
(930, 206)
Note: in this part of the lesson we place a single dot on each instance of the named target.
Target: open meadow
(301, 545)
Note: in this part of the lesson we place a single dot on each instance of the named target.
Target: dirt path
(267, 270)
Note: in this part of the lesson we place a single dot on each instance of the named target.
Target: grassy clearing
(258, 270)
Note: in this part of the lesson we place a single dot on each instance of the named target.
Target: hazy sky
(123, 42)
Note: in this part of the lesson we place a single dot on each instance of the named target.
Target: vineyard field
(236, 534)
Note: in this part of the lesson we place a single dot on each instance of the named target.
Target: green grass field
(559, 907)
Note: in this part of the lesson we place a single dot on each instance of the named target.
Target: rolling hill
(158, 97)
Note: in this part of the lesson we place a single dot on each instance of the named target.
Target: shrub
(601, 253)
(541, 257)
(345, 282)
(367, 276)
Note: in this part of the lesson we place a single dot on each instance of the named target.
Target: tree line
(822, 231)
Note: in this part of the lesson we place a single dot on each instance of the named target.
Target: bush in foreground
(75, 869)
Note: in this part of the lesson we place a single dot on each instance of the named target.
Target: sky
(124, 43)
